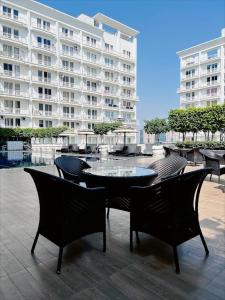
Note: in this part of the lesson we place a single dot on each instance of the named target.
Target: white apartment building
(202, 68)
(56, 69)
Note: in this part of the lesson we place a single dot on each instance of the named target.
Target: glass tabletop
(119, 171)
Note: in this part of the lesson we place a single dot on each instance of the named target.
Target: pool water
(13, 159)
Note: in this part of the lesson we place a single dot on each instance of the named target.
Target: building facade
(202, 69)
(56, 69)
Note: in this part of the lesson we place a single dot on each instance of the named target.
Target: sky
(166, 26)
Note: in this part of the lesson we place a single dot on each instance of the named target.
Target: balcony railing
(43, 113)
(17, 56)
(127, 107)
(67, 36)
(44, 80)
(75, 54)
(17, 111)
(13, 74)
(43, 27)
(130, 96)
(44, 63)
(110, 93)
(11, 92)
(51, 48)
(13, 37)
(91, 44)
(44, 96)
(68, 84)
(13, 17)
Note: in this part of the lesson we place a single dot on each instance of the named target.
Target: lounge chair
(168, 210)
(70, 168)
(67, 211)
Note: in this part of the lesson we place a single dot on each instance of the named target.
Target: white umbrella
(86, 133)
(125, 130)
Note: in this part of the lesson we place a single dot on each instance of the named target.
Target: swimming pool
(14, 159)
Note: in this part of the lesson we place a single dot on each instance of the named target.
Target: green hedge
(203, 145)
(31, 132)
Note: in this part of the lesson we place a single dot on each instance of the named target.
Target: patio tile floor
(87, 273)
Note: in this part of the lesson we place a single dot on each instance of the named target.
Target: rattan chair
(168, 166)
(211, 160)
(70, 168)
(169, 210)
(67, 211)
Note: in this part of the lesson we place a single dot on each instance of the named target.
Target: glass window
(41, 123)
(17, 122)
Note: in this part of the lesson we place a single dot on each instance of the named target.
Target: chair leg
(137, 238)
(58, 271)
(108, 209)
(176, 260)
(204, 243)
(35, 242)
(218, 178)
(104, 241)
(131, 240)
(210, 177)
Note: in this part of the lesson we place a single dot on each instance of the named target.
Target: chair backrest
(168, 166)
(172, 200)
(63, 202)
(166, 150)
(70, 167)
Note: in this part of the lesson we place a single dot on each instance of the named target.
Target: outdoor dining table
(117, 180)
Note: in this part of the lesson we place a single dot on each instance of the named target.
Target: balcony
(209, 59)
(92, 45)
(91, 89)
(13, 38)
(110, 93)
(14, 111)
(70, 100)
(127, 108)
(74, 55)
(91, 103)
(15, 56)
(49, 48)
(14, 93)
(44, 113)
(68, 37)
(44, 80)
(127, 96)
(70, 85)
(49, 30)
(19, 20)
(45, 97)
(14, 75)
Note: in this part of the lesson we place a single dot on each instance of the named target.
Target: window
(7, 11)
(190, 73)
(15, 14)
(17, 122)
(212, 68)
(8, 122)
(91, 41)
(38, 22)
(109, 62)
(46, 25)
(8, 69)
(16, 34)
(212, 53)
(41, 107)
(41, 123)
(48, 123)
(7, 31)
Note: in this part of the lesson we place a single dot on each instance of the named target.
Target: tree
(179, 122)
(156, 126)
(194, 116)
(101, 129)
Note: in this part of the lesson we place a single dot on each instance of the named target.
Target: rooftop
(87, 272)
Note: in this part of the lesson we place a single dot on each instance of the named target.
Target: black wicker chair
(168, 210)
(70, 168)
(168, 166)
(166, 151)
(211, 160)
(67, 211)
(192, 155)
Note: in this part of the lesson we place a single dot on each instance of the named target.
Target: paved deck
(87, 273)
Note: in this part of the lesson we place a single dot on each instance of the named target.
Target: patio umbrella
(125, 130)
(86, 133)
